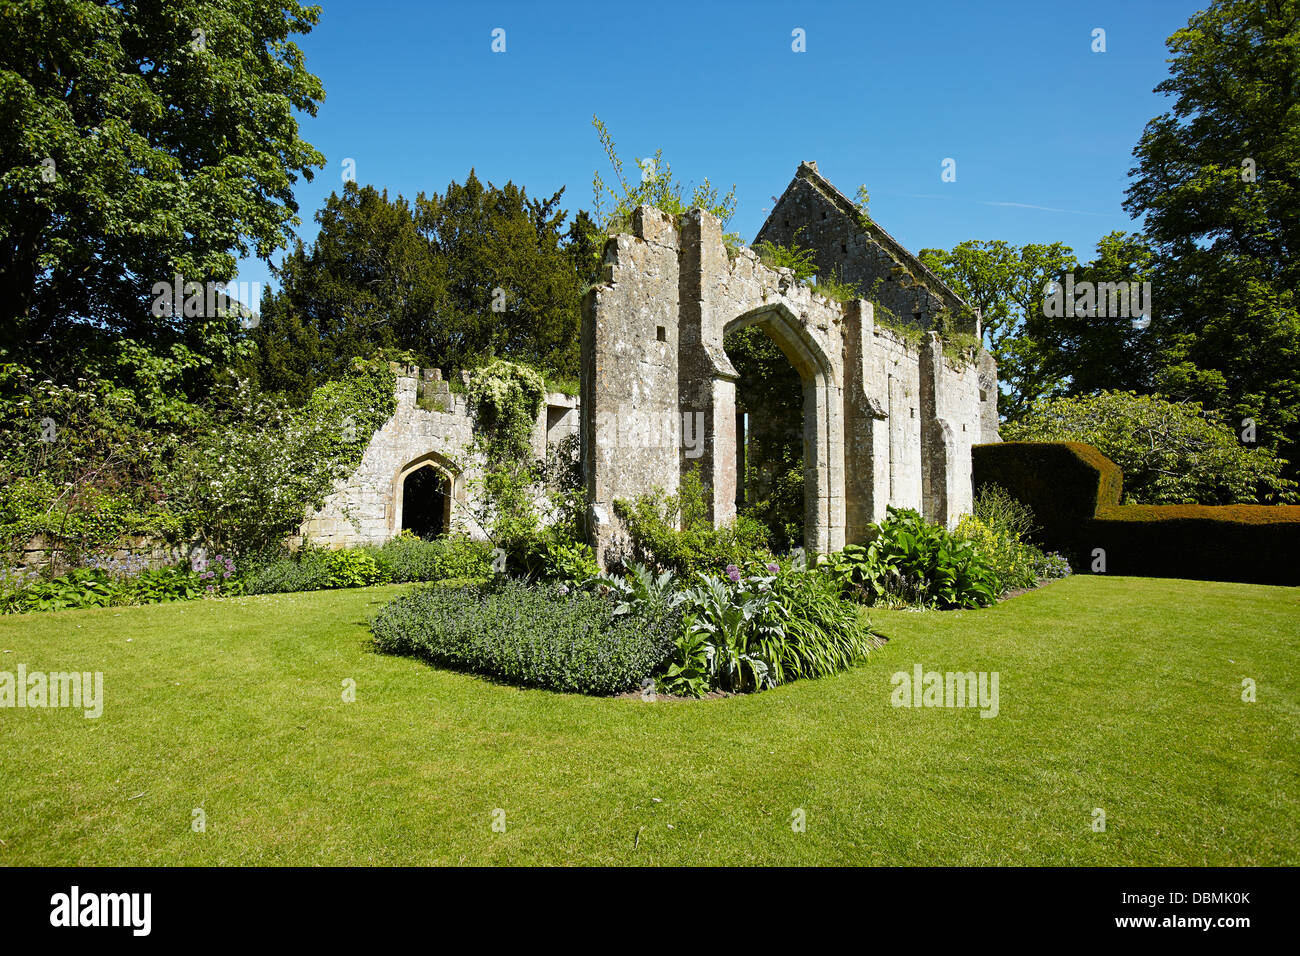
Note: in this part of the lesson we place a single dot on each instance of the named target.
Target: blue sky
(1041, 127)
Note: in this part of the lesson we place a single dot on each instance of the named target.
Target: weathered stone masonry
(885, 422)
(431, 427)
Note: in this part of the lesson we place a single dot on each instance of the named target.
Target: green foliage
(1215, 186)
(653, 185)
(455, 278)
(1005, 283)
(794, 256)
(640, 591)
(999, 529)
(1170, 452)
(354, 568)
(168, 155)
(462, 557)
(673, 532)
(409, 558)
(104, 585)
(915, 561)
(305, 570)
(1082, 350)
(533, 637)
(83, 464)
(506, 400)
(770, 390)
(836, 290)
(571, 562)
(244, 486)
(751, 632)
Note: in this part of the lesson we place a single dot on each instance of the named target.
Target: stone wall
(432, 425)
(851, 247)
(885, 421)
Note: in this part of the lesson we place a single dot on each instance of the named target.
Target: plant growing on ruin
(653, 185)
(673, 532)
(506, 399)
(795, 257)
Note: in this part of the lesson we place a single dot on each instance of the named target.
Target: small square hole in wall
(661, 333)
(913, 411)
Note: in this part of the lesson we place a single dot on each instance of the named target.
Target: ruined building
(889, 414)
(890, 405)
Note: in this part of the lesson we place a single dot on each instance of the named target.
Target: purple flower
(773, 568)
(733, 572)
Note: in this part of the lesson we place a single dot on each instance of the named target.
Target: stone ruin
(417, 472)
(888, 417)
(886, 420)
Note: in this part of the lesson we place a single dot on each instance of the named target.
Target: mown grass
(1119, 694)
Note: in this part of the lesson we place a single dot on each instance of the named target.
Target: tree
(1101, 348)
(770, 391)
(138, 141)
(1007, 285)
(1218, 184)
(368, 282)
(453, 279)
(1171, 452)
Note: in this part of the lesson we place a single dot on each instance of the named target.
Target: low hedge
(1255, 544)
(1074, 491)
(529, 636)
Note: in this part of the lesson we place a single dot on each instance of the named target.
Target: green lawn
(1116, 693)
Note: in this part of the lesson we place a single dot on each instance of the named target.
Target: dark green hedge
(1064, 483)
(1074, 491)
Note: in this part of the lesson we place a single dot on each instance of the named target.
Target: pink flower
(733, 572)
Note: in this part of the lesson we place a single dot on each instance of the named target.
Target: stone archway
(445, 486)
(823, 438)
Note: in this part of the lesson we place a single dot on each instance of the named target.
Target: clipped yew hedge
(1074, 491)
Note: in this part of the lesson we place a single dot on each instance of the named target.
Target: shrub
(1013, 562)
(98, 587)
(674, 533)
(916, 561)
(353, 568)
(999, 530)
(528, 636)
(1170, 452)
(1075, 490)
(245, 482)
(463, 557)
(409, 558)
(750, 632)
(307, 570)
(572, 562)
(640, 591)
(1062, 483)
